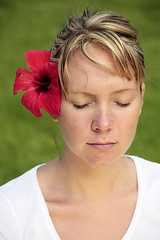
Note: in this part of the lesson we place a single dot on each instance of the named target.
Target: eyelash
(123, 105)
(80, 106)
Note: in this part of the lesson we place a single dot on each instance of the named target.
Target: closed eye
(80, 106)
(122, 104)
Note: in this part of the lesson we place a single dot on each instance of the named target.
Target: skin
(98, 123)
(108, 109)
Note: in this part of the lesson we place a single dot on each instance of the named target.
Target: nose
(102, 122)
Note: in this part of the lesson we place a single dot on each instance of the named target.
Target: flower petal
(36, 59)
(52, 68)
(42, 83)
(31, 101)
(24, 81)
(50, 101)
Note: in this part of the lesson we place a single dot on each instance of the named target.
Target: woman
(92, 191)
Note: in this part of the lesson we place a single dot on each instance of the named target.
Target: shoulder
(148, 166)
(16, 199)
(19, 185)
(148, 174)
(148, 207)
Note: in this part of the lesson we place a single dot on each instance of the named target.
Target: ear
(54, 118)
(142, 95)
(143, 89)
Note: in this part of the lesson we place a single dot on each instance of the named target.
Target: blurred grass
(25, 140)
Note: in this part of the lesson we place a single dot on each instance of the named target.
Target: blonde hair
(106, 28)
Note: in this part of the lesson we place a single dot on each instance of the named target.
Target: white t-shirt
(24, 214)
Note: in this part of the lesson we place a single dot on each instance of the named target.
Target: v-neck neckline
(50, 224)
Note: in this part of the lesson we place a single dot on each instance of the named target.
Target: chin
(102, 161)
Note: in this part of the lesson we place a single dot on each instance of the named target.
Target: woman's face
(98, 120)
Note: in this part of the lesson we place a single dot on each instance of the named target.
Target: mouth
(102, 146)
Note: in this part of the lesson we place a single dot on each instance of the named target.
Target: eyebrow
(114, 92)
(125, 90)
(82, 93)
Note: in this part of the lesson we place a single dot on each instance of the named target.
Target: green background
(25, 140)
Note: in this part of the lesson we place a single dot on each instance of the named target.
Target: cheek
(73, 122)
(128, 122)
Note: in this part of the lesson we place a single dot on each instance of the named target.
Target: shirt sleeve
(8, 223)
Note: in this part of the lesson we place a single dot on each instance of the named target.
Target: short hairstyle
(106, 28)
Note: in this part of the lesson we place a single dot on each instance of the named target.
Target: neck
(86, 180)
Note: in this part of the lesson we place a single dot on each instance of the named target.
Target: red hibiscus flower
(41, 84)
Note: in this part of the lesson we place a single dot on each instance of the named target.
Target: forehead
(84, 74)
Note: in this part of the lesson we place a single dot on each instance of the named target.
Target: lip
(102, 146)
